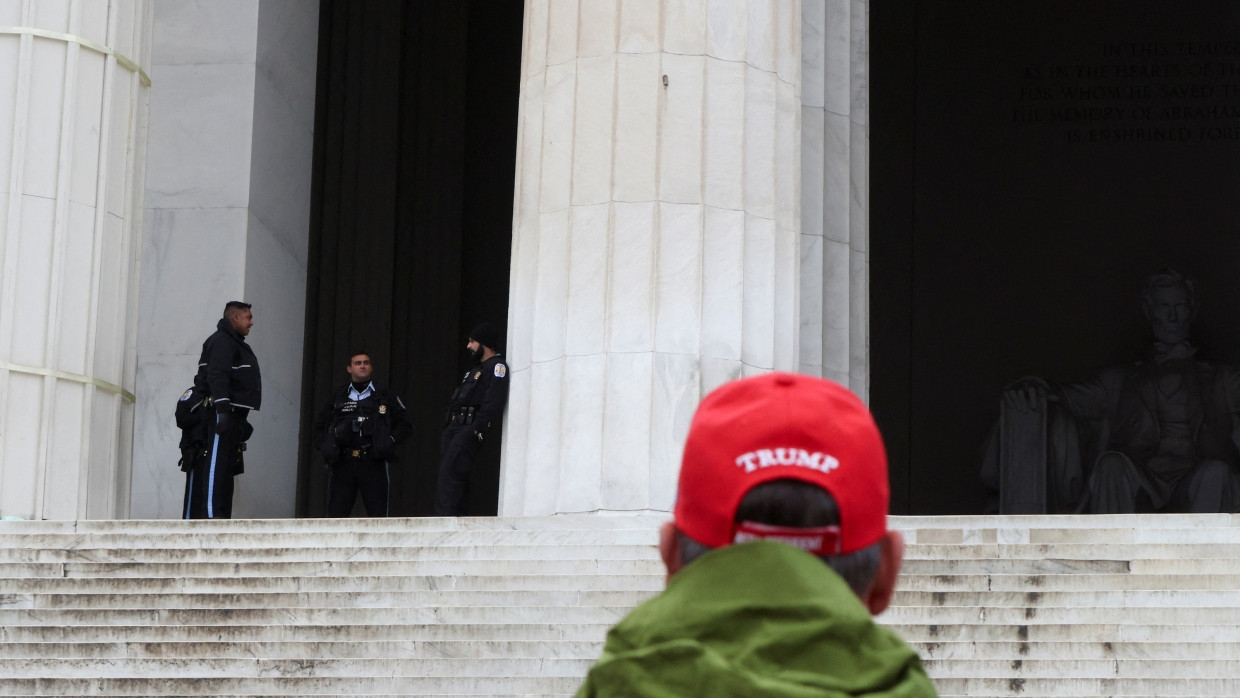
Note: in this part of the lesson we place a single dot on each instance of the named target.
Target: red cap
(776, 426)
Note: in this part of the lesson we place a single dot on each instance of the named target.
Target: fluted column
(72, 126)
(835, 203)
(655, 247)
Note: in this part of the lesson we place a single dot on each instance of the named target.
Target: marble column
(655, 246)
(73, 96)
(835, 192)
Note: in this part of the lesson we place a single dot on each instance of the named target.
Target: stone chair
(1036, 462)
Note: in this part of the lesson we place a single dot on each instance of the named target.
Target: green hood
(756, 619)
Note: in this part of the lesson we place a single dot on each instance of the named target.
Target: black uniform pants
(209, 484)
(457, 447)
(349, 475)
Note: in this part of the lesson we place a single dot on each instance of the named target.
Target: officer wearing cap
(777, 556)
(475, 407)
(357, 432)
(229, 379)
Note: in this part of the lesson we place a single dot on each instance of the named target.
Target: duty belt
(357, 452)
(464, 415)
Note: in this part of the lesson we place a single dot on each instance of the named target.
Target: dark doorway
(411, 222)
(1032, 162)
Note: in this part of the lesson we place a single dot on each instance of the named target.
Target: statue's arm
(1093, 398)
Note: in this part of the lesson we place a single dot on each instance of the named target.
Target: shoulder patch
(186, 395)
(500, 370)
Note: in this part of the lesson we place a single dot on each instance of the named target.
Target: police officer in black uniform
(230, 385)
(475, 407)
(357, 432)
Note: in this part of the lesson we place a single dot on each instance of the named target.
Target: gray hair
(798, 504)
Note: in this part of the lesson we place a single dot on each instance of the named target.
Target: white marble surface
(678, 279)
(630, 295)
(834, 198)
(639, 25)
(593, 130)
(68, 255)
(723, 293)
(189, 32)
(680, 134)
(227, 218)
(200, 135)
(585, 329)
(627, 428)
(596, 25)
(581, 433)
(662, 258)
(638, 83)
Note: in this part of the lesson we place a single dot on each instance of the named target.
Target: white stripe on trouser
(387, 501)
(189, 499)
(215, 452)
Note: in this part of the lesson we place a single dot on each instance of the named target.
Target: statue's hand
(1026, 394)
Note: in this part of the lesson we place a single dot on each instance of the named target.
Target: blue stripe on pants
(215, 452)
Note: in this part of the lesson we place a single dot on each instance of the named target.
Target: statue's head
(1170, 304)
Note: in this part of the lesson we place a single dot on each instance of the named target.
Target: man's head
(1170, 304)
(239, 316)
(483, 342)
(794, 459)
(359, 367)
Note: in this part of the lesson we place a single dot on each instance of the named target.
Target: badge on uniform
(477, 375)
(185, 395)
(382, 409)
(500, 370)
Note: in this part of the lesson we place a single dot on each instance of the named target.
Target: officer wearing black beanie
(476, 405)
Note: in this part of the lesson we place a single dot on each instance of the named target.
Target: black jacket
(385, 424)
(228, 369)
(485, 388)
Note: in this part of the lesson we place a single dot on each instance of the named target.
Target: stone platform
(997, 606)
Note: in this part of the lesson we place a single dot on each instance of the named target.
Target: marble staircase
(997, 606)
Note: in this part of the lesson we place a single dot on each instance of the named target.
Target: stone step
(384, 685)
(509, 545)
(1088, 687)
(1073, 551)
(1084, 521)
(648, 522)
(488, 648)
(952, 566)
(296, 631)
(1061, 582)
(332, 568)
(1085, 599)
(1054, 536)
(1006, 605)
(950, 615)
(1057, 566)
(325, 599)
(211, 540)
(566, 595)
(1144, 668)
(289, 584)
(225, 668)
(314, 616)
(1012, 651)
(927, 629)
(549, 551)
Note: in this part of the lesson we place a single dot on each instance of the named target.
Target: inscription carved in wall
(1144, 92)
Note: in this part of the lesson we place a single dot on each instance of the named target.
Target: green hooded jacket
(755, 619)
